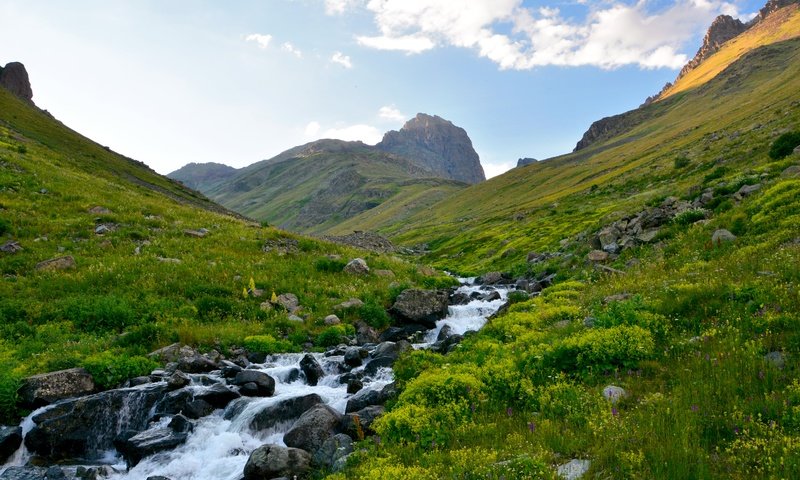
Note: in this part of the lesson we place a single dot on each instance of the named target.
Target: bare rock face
(14, 78)
(721, 30)
(438, 145)
(46, 388)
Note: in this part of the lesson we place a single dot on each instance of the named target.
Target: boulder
(284, 411)
(403, 333)
(333, 449)
(44, 389)
(746, 190)
(608, 236)
(367, 398)
(58, 263)
(614, 394)
(196, 364)
(196, 233)
(490, 278)
(574, 469)
(776, 359)
(359, 424)
(332, 320)
(313, 427)
(10, 247)
(352, 356)
(648, 235)
(385, 273)
(264, 383)
(146, 443)
(217, 395)
(350, 304)
(721, 236)
(422, 307)
(597, 256)
(354, 385)
(178, 380)
(356, 266)
(24, 473)
(10, 440)
(86, 427)
(311, 369)
(272, 461)
(198, 409)
(459, 298)
(366, 334)
(289, 301)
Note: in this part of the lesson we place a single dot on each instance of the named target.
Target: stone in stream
(178, 380)
(217, 395)
(265, 385)
(284, 411)
(40, 390)
(10, 440)
(311, 369)
(198, 409)
(352, 356)
(272, 461)
(313, 427)
(423, 307)
(354, 385)
(359, 424)
(149, 442)
(334, 448)
(24, 473)
(366, 398)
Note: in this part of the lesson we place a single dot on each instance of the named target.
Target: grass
(146, 283)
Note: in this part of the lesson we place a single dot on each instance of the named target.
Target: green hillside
(315, 187)
(141, 272)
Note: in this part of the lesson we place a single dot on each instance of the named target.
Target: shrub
(690, 216)
(601, 349)
(100, 314)
(5, 226)
(110, 369)
(326, 264)
(438, 387)
(331, 336)
(9, 386)
(211, 308)
(266, 344)
(517, 296)
(784, 145)
(681, 161)
(374, 315)
(412, 364)
(22, 149)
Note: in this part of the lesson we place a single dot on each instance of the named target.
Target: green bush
(681, 161)
(9, 386)
(110, 369)
(331, 336)
(410, 365)
(601, 349)
(5, 226)
(517, 296)
(439, 387)
(266, 344)
(100, 314)
(147, 336)
(22, 149)
(326, 264)
(784, 145)
(690, 216)
(210, 308)
(374, 315)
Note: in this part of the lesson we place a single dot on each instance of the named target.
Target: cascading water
(219, 444)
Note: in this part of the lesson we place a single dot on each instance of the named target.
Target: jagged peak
(14, 78)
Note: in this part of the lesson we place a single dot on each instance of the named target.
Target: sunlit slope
(779, 26)
(728, 122)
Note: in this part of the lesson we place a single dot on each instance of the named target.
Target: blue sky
(172, 82)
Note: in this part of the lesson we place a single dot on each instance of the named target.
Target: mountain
(314, 187)
(525, 161)
(438, 145)
(202, 176)
(14, 78)
(321, 187)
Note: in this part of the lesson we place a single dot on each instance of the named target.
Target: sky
(238, 81)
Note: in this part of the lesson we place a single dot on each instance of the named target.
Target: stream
(219, 444)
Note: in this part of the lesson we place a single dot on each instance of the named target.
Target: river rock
(722, 236)
(217, 395)
(366, 334)
(367, 398)
(272, 461)
(198, 409)
(44, 389)
(354, 385)
(313, 427)
(196, 363)
(85, 427)
(10, 440)
(352, 356)
(359, 424)
(149, 442)
(264, 383)
(385, 355)
(422, 307)
(287, 410)
(230, 369)
(24, 473)
(490, 278)
(334, 448)
(311, 369)
(58, 263)
(356, 266)
(178, 380)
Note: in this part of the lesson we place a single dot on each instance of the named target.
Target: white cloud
(515, 36)
(391, 113)
(261, 39)
(495, 169)
(351, 133)
(288, 47)
(342, 59)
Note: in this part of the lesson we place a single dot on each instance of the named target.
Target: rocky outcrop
(44, 389)
(14, 78)
(422, 307)
(608, 127)
(525, 161)
(437, 145)
(274, 461)
(721, 30)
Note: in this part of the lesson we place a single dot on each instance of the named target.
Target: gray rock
(264, 383)
(332, 320)
(287, 410)
(597, 256)
(196, 233)
(149, 442)
(334, 448)
(357, 266)
(350, 304)
(574, 469)
(44, 389)
(746, 190)
(647, 236)
(55, 473)
(178, 380)
(722, 236)
(10, 247)
(791, 172)
(352, 357)
(24, 473)
(354, 385)
(217, 395)
(313, 427)
(776, 359)
(289, 302)
(422, 307)
(358, 425)
(198, 409)
(271, 461)
(614, 394)
(10, 440)
(58, 263)
(311, 369)
(14, 78)
(102, 229)
(490, 278)
(366, 334)
(367, 398)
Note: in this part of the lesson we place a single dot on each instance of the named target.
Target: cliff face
(437, 145)
(14, 78)
(721, 30)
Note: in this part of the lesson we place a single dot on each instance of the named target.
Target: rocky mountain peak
(437, 145)
(771, 7)
(525, 161)
(14, 78)
(721, 30)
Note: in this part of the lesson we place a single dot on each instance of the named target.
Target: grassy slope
(728, 122)
(315, 192)
(687, 342)
(782, 25)
(116, 304)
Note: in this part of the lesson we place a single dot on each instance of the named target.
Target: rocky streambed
(258, 418)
